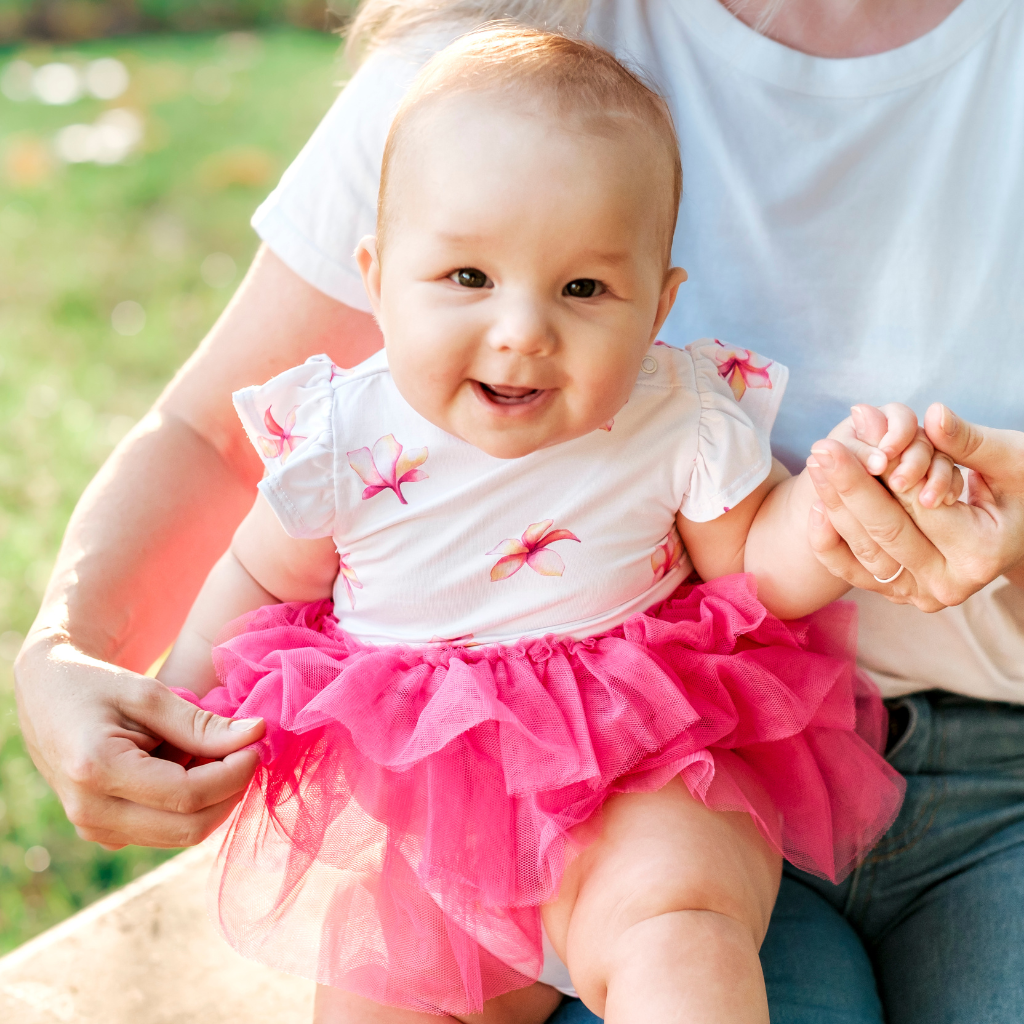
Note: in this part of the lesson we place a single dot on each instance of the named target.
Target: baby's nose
(522, 327)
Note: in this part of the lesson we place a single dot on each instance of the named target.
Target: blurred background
(136, 139)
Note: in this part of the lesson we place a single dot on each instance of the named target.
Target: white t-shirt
(441, 541)
(860, 220)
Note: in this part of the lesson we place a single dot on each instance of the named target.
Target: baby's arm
(766, 533)
(264, 565)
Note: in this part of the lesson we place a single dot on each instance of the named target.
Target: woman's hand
(99, 750)
(863, 534)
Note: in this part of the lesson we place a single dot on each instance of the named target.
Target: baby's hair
(587, 87)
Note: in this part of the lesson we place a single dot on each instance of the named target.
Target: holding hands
(906, 535)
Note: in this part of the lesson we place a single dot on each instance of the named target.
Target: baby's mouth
(504, 394)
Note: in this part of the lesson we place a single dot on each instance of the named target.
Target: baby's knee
(661, 947)
(653, 910)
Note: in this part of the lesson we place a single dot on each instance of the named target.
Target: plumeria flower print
(741, 368)
(349, 578)
(667, 554)
(532, 550)
(388, 466)
(282, 441)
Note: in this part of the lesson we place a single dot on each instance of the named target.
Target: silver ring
(894, 576)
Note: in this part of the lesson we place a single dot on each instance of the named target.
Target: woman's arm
(139, 544)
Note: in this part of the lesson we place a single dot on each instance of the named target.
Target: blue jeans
(930, 928)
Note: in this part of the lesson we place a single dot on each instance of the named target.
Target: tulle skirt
(415, 805)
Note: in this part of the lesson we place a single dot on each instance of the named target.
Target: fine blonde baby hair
(585, 86)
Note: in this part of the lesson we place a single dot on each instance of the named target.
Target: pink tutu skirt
(415, 806)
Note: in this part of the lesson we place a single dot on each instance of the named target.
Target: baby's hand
(890, 444)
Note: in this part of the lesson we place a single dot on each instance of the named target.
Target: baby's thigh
(659, 853)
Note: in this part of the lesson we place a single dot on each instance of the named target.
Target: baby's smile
(508, 396)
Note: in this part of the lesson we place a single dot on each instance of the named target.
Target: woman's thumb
(174, 716)
(995, 454)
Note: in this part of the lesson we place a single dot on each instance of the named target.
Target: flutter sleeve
(289, 421)
(740, 393)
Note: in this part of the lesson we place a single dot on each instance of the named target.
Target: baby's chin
(508, 441)
(504, 436)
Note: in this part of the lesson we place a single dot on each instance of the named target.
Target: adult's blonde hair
(378, 22)
(583, 86)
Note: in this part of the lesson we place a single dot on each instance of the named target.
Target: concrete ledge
(146, 955)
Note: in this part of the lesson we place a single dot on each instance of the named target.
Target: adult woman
(853, 206)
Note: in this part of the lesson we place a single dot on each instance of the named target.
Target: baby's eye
(470, 277)
(583, 288)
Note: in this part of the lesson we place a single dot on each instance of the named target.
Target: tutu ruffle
(415, 805)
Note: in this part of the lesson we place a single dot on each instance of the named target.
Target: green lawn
(166, 229)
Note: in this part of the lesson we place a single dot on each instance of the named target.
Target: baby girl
(509, 750)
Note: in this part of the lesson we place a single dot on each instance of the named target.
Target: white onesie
(440, 541)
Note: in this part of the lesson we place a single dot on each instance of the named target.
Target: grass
(222, 117)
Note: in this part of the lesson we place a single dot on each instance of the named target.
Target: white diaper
(555, 973)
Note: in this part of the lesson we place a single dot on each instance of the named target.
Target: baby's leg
(531, 1005)
(662, 918)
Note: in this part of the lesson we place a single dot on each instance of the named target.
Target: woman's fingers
(133, 775)
(998, 455)
(866, 551)
(102, 724)
(115, 824)
(877, 529)
(162, 713)
(834, 553)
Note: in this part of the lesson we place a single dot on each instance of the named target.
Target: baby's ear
(369, 267)
(674, 277)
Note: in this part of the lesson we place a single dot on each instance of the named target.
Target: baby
(499, 722)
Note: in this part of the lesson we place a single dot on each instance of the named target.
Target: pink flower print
(531, 550)
(282, 441)
(337, 371)
(741, 368)
(667, 554)
(388, 466)
(607, 426)
(349, 578)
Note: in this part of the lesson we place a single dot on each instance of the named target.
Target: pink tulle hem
(415, 806)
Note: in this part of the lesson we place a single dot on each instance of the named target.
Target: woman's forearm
(164, 506)
(141, 541)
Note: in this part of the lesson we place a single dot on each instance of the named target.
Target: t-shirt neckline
(764, 58)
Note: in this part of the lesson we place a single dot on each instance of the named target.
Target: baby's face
(524, 276)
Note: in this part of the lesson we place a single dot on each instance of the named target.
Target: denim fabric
(931, 925)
